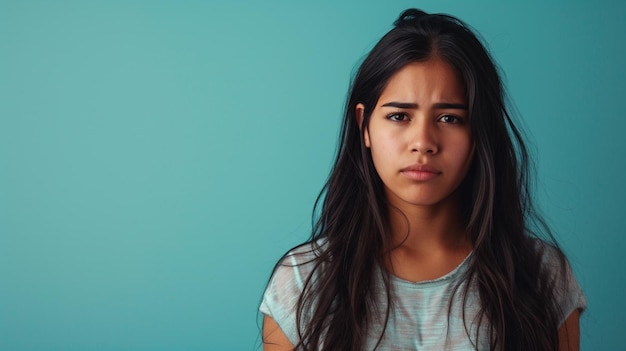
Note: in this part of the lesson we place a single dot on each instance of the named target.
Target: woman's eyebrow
(450, 105)
(396, 104)
(439, 105)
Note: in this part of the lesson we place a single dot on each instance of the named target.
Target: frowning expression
(419, 134)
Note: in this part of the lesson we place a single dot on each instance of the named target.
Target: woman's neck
(428, 241)
(423, 228)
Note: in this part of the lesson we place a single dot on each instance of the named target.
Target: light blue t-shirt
(419, 319)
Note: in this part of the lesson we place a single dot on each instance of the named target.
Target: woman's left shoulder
(551, 255)
(568, 292)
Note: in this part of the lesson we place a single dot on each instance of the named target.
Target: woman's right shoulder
(304, 253)
(298, 263)
(291, 274)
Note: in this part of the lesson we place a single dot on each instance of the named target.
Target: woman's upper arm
(273, 337)
(569, 333)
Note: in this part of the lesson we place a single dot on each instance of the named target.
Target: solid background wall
(157, 157)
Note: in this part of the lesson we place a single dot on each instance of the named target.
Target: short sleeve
(284, 289)
(571, 297)
(569, 294)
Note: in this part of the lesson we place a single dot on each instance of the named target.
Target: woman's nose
(423, 138)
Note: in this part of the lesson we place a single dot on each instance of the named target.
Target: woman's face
(419, 134)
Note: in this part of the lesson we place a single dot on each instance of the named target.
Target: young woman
(426, 239)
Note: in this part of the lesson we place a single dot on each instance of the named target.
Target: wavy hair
(518, 304)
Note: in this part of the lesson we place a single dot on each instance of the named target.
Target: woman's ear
(359, 111)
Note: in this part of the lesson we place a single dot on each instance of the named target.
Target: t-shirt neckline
(458, 270)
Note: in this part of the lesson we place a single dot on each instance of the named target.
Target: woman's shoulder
(553, 259)
(550, 253)
(295, 267)
(568, 292)
(290, 276)
(304, 255)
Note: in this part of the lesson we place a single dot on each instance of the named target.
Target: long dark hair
(516, 292)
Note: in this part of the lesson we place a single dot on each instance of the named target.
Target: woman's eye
(450, 119)
(398, 117)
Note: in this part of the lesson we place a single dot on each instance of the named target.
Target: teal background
(157, 157)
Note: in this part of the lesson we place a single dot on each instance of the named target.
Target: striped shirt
(419, 319)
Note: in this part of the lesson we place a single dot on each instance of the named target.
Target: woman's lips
(420, 172)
